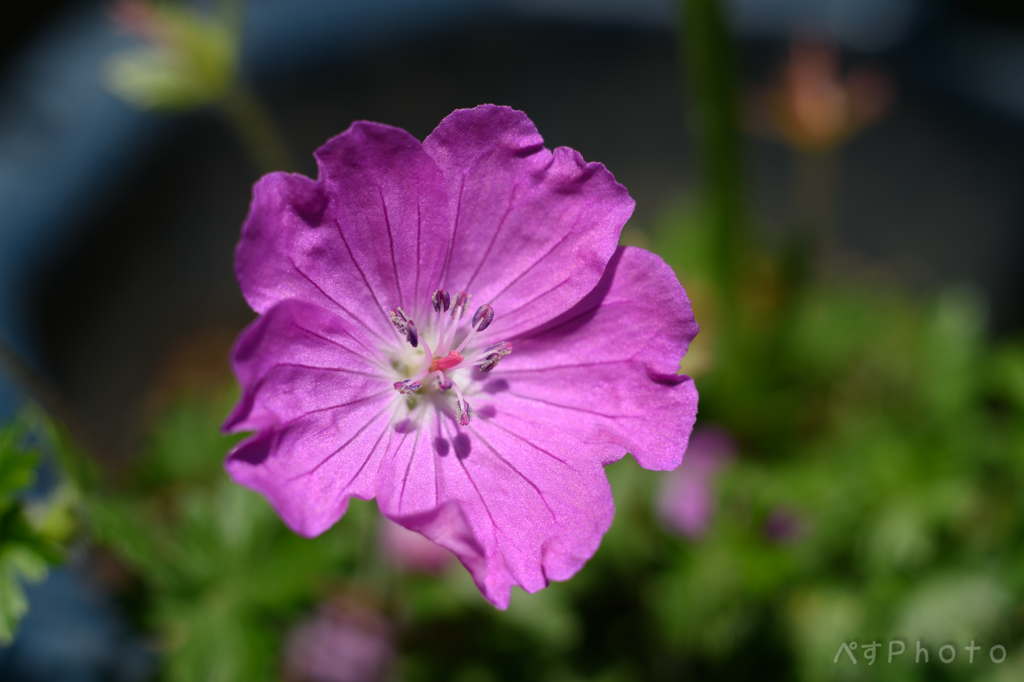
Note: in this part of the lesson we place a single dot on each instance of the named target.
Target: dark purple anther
(399, 319)
(483, 316)
(411, 335)
(463, 412)
(784, 525)
(441, 300)
(460, 304)
(405, 326)
(444, 384)
(494, 354)
(408, 387)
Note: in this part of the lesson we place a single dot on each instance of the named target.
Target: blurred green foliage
(221, 577)
(33, 526)
(891, 432)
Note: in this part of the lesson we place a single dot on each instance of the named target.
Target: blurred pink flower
(343, 642)
(412, 551)
(139, 18)
(685, 500)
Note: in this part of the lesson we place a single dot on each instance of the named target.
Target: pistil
(450, 361)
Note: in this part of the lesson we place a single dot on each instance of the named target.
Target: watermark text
(946, 653)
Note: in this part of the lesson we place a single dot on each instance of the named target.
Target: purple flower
(450, 327)
(412, 551)
(344, 642)
(685, 500)
(784, 525)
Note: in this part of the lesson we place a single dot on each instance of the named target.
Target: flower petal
(299, 358)
(517, 503)
(605, 371)
(369, 235)
(308, 469)
(533, 229)
(322, 409)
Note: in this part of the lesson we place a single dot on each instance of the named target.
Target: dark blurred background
(104, 286)
(117, 226)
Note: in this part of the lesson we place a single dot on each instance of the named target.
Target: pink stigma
(450, 361)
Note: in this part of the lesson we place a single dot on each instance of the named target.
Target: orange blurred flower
(814, 107)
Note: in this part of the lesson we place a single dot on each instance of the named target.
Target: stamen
(441, 301)
(482, 317)
(457, 310)
(460, 305)
(408, 387)
(399, 319)
(443, 382)
(442, 332)
(494, 354)
(463, 412)
(405, 326)
(429, 350)
(411, 335)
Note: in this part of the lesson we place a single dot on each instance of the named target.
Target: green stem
(256, 130)
(245, 112)
(815, 190)
(707, 55)
(232, 13)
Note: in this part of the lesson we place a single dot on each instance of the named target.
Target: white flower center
(427, 367)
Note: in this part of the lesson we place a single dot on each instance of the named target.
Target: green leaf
(18, 564)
